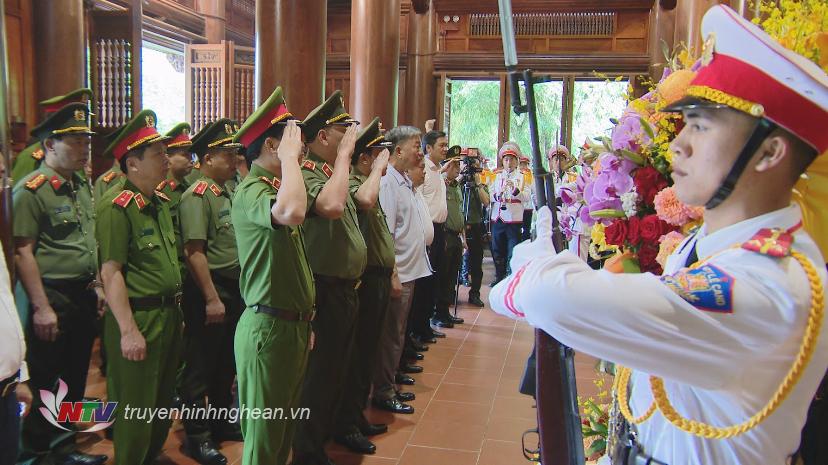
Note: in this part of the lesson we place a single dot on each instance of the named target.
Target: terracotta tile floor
(468, 409)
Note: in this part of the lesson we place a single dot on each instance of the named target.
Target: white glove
(541, 246)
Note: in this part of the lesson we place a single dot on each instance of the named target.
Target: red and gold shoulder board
(327, 170)
(309, 165)
(35, 183)
(108, 177)
(161, 185)
(216, 189)
(140, 202)
(200, 188)
(277, 183)
(122, 200)
(772, 242)
(162, 196)
(197, 165)
(38, 154)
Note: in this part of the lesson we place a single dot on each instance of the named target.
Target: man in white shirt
(726, 349)
(508, 192)
(403, 216)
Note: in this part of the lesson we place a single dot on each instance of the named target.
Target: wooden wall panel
(21, 80)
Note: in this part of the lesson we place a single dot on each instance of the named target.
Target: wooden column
(60, 61)
(689, 15)
(375, 60)
(420, 83)
(215, 19)
(290, 51)
(662, 32)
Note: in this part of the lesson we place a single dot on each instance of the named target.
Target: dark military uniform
(374, 292)
(112, 179)
(174, 190)
(453, 255)
(57, 213)
(209, 363)
(337, 255)
(273, 335)
(137, 232)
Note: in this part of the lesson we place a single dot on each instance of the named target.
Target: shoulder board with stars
(275, 183)
(162, 196)
(216, 189)
(772, 242)
(38, 154)
(309, 165)
(327, 170)
(161, 185)
(172, 184)
(35, 183)
(200, 188)
(122, 199)
(109, 177)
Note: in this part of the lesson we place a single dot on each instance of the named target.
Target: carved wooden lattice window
(244, 79)
(546, 24)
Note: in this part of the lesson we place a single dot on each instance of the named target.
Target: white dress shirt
(721, 357)
(434, 192)
(403, 215)
(425, 216)
(12, 343)
(512, 199)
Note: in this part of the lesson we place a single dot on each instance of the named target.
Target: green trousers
(147, 384)
(450, 268)
(271, 358)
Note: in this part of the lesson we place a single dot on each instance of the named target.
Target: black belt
(152, 302)
(69, 284)
(380, 271)
(7, 385)
(333, 280)
(286, 315)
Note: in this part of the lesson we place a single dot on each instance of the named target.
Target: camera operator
(508, 194)
(475, 199)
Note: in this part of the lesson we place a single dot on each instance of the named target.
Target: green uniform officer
(143, 329)
(30, 158)
(112, 178)
(453, 229)
(337, 255)
(273, 336)
(57, 262)
(212, 303)
(179, 148)
(369, 162)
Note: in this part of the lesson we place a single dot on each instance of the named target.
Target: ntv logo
(56, 411)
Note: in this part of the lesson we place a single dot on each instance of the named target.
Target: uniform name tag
(707, 288)
(147, 232)
(64, 208)
(223, 213)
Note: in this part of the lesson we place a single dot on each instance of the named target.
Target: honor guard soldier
(30, 158)
(57, 262)
(141, 276)
(720, 356)
(508, 194)
(274, 334)
(337, 255)
(528, 203)
(212, 303)
(369, 163)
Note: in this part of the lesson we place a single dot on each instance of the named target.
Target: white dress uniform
(513, 198)
(723, 335)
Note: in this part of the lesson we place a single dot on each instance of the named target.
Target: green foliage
(474, 115)
(595, 103)
(549, 100)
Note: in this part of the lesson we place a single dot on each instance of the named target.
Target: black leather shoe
(393, 405)
(423, 340)
(441, 323)
(475, 300)
(356, 442)
(206, 453)
(372, 429)
(456, 320)
(411, 354)
(415, 344)
(409, 368)
(78, 458)
(228, 432)
(403, 396)
(437, 334)
(400, 378)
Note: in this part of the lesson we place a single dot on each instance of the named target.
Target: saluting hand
(45, 323)
(215, 311)
(133, 346)
(291, 146)
(346, 145)
(381, 162)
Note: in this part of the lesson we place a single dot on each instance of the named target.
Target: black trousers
(473, 258)
(505, 236)
(374, 293)
(526, 230)
(9, 427)
(209, 362)
(424, 302)
(337, 306)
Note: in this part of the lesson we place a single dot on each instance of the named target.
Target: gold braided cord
(622, 383)
(72, 129)
(281, 117)
(717, 96)
(697, 428)
(142, 140)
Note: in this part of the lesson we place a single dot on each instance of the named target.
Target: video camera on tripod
(470, 159)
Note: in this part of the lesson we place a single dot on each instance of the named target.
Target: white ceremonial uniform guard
(725, 332)
(509, 190)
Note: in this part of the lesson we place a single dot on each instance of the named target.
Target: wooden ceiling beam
(540, 6)
(606, 63)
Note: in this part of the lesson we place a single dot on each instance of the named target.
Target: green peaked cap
(76, 96)
(70, 119)
(370, 136)
(138, 132)
(331, 111)
(179, 136)
(218, 134)
(270, 113)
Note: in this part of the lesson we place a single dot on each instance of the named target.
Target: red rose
(616, 233)
(634, 231)
(647, 258)
(652, 228)
(648, 182)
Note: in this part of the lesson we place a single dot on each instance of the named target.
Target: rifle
(559, 422)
